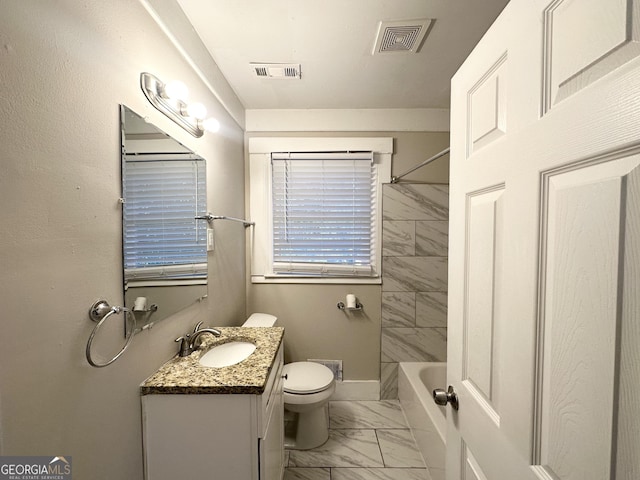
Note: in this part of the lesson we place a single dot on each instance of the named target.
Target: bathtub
(428, 422)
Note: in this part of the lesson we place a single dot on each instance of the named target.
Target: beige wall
(315, 327)
(412, 148)
(65, 66)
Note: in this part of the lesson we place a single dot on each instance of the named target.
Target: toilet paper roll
(351, 301)
(140, 303)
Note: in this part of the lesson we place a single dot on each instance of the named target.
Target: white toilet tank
(260, 320)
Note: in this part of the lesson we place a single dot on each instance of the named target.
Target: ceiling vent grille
(276, 70)
(403, 36)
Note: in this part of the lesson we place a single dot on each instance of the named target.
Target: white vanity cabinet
(216, 436)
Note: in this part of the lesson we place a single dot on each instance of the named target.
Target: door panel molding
(584, 212)
(471, 469)
(571, 64)
(483, 250)
(487, 107)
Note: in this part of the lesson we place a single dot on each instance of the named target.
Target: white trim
(334, 280)
(357, 390)
(266, 145)
(260, 149)
(163, 283)
(348, 120)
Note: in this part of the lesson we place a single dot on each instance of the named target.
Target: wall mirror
(164, 246)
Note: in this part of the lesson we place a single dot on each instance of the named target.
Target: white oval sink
(227, 354)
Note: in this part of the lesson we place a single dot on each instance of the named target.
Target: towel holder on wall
(99, 312)
(210, 218)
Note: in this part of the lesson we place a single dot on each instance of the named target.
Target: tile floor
(368, 440)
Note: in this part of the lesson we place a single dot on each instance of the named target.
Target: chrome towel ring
(99, 312)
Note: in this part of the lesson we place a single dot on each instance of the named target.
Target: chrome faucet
(189, 342)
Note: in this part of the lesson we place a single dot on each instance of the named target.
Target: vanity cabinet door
(204, 437)
(217, 436)
(272, 441)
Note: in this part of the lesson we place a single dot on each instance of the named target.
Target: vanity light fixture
(171, 99)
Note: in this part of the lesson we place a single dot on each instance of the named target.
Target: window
(322, 213)
(317, 209)
(163, 241)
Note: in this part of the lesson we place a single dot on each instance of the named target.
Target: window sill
(323, 280)
(164, 283)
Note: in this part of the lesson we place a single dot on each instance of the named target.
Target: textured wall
(65, 66)
(414, 278)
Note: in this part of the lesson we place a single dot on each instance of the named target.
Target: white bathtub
(428, 422)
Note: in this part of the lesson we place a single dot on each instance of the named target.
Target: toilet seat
(292, 401)
(304, 378)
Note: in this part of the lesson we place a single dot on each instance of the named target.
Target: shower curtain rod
(395, 179)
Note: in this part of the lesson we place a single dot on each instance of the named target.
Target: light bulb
(211, 125)
(197, 111)
(176, 90)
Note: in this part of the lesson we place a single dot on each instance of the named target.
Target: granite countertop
(185, 375)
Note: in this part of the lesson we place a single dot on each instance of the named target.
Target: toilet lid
(306, 377)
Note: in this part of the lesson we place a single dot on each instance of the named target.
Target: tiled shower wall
(414, 278)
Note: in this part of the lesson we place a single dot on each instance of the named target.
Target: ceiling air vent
(403, 36)
(276, 70)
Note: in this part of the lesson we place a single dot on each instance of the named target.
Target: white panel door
(544, 254)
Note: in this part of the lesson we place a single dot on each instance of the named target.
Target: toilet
(308, 386)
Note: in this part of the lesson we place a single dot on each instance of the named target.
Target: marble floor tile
(366, 414)
(380, 453)
(307, 474)
(399, 448)
(379, 474)
(345, 448)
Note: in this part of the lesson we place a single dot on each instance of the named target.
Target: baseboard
(357, 390)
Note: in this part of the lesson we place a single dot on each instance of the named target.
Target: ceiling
(333, 41)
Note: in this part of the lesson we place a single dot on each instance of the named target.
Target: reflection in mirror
(164, 247)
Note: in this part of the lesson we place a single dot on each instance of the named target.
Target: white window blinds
(162, 238)
(323, 213)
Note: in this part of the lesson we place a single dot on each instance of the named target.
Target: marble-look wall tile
(431, 309)
(432, 239)
(398, 238)
(415, 202)
(414, 278)
(414, 344)
(398, 309)
(414, 274)
(388, 381)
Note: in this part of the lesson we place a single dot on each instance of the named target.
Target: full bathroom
(66, 71)
(81, 380)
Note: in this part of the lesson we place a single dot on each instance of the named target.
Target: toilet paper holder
(152, 308)
(342, 306)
